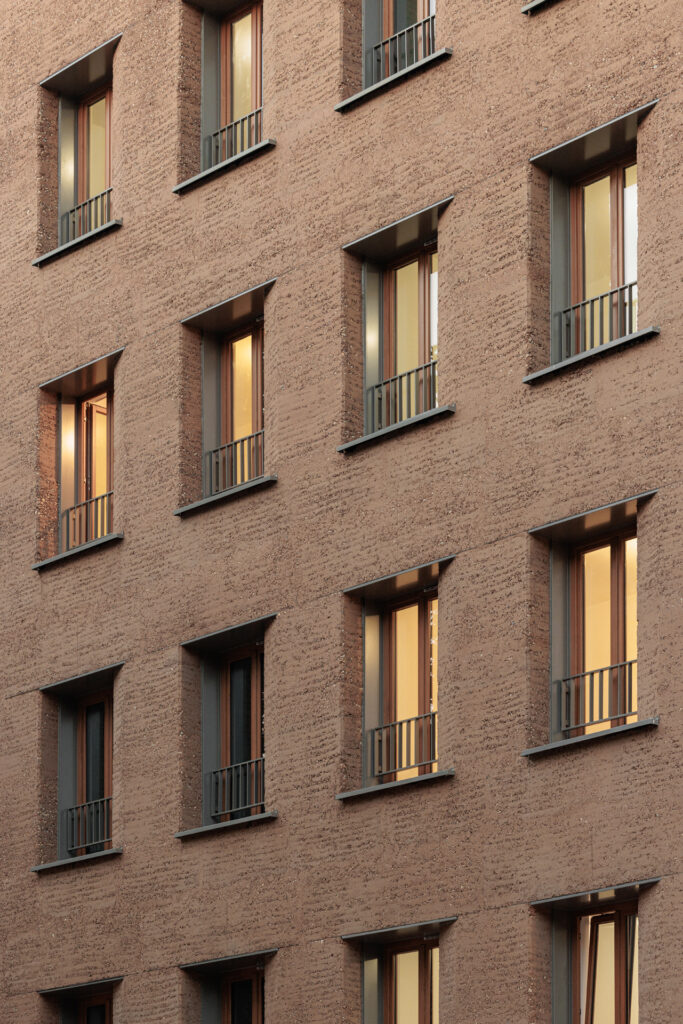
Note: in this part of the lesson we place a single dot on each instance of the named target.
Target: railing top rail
(602, 295)
(239, 120)
(230, 444)
(241, 764)
(90, 803)
(405, 721)
(595, 671)
(404, 31)
(406, 373)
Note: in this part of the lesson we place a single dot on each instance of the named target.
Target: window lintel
(87, 73)
(84, 988)
(605, 519)
(226, 964)
(87, 378)
(405, 581)
(229, 315)
(400, 237)
(218, 8)
(222, 640)
(592, 899)
(608, 141)
(423, 931)
(75, 687)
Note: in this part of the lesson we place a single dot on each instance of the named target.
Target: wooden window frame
(386, 958)
(226, 410)
(616, 171)
(617, 542)
(423, 257)
(619, 914)
(105, 698)
(255, 975)
(84, 467)
(388, 18)
(83, 142)
(90, 1001)
(256, 11)
(254, 653)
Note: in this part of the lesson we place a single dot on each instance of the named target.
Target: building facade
(340, 433)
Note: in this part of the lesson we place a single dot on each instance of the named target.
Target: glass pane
(94, 752)
(407, 352)
(241, 68)
(597, 255)
(434, 322)
(97, 147)
(372, 351)
(68, 455)
(406, 667)
(597, 612)
(240, 1001)
(96, 1014)
(371, 992)
(67, 157)
(631, 238)
(372, 691)
(435, 986)
(240, 711)
(405, 14)
(100, 469)
(631, 603)
(407, 970)
(242, 397)
(632, 968)
(603, 994)
(433, 613)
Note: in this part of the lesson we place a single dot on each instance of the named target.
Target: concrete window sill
(379, 435)
(74, 862)
(82, 549)
(205, 830)
(89, 236)
(232, 492)
(223, 166)
(387, 83)
(385, 787)
(594, 353)
(605, 734)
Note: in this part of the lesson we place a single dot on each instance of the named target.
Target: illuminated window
(397, 33)
(401, 687)
(84, 165)
(231, 84)
(400, 345)
(233, 410)
(85, 469)
(606, 972)
(401, 984)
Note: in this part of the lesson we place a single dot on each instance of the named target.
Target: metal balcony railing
(233, 463)
(86, 216)
(86, 521)
(597, 697)
(88, 826)
(398, 746)
(587, 325)
(238, 788)
(235, 137)
(400, 397)
(399, 51)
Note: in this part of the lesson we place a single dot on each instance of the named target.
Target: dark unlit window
(396, 34)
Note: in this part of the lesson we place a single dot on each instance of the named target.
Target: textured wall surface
(505, 830)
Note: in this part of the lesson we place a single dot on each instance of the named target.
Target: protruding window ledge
(232, 492)
(535, 5)
(550, 748)
(380, 435)
(224, 165)
(203, 830)
(383, 787)
(53, 254)
(420, 65)
(72, 862)
(82, 549)
(593, 353)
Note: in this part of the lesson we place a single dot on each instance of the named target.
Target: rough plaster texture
(506, 830)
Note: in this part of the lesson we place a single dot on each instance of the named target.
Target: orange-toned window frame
(255, 975)
(424, 261)
(256, 737)
(617, 544)
(389, 21)
(616, 172)
(256, 59)
(84, 468)
(84, 142)
(86, 1004)
(256, 331)
(99, 698)
(388, 623)
(389, 979)
(619, 915)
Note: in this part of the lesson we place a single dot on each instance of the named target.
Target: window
(230, 990)
(593, 599)
(85, 780)
(84, 1004)
(243, 997)
(233, 410)
(397, 34)
(401, 984)
(85, 473)
(232, 112)
(401, 319)
(94, 1010)
(400, 656)
(594, 239)
(84, 164)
